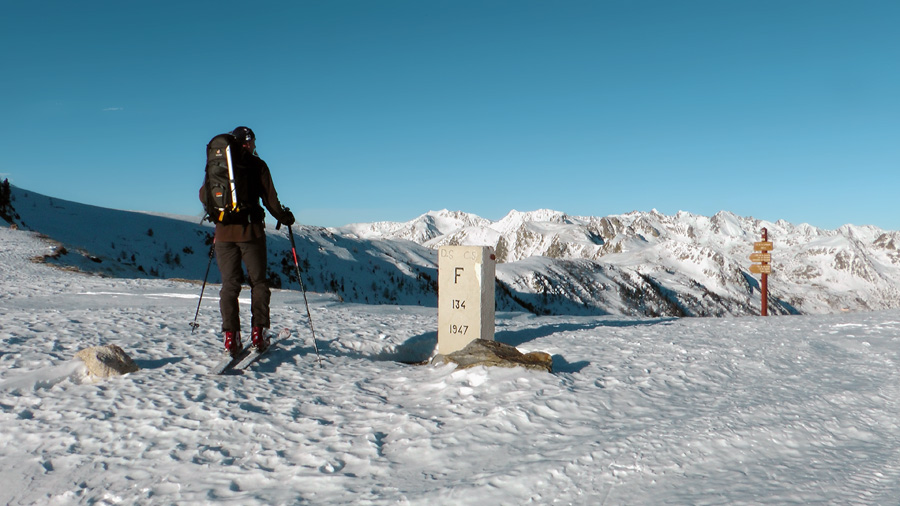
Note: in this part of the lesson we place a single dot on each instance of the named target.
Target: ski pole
(212, 251)
(305, 301)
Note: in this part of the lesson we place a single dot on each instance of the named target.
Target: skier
(246, 241)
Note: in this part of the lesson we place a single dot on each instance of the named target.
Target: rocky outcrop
(494, 354)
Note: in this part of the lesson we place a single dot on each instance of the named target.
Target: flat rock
(492, 353)
(106, 361)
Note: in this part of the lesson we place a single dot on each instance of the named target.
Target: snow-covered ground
(778, 410)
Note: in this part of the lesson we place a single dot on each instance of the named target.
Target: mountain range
(639, 263)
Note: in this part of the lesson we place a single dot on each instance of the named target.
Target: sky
(382, 110)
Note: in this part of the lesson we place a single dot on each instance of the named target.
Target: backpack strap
(234, 199)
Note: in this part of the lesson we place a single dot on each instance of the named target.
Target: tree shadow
(157, 364)
(560, 364)
(419, 349)
(519, 337)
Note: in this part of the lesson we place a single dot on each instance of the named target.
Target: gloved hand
(287, 218)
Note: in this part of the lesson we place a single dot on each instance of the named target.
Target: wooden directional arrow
(761, 269)
(761, 257)
(763, 246)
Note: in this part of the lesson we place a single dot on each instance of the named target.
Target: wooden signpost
(761, 269)
(764, 268)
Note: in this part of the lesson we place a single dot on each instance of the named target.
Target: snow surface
(737, 410)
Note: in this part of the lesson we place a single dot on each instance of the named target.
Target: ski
(254, 354)
(229, 362)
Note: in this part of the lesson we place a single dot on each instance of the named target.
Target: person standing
(244, 241)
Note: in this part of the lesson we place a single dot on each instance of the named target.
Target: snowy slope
(747, 410)
(653, 264)
(633, 264)
(140, 245)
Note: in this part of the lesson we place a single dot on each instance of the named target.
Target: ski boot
(233, 342)
(260, 338)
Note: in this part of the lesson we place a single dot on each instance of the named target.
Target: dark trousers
(229, 256)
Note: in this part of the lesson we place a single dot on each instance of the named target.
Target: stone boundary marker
(465, 296)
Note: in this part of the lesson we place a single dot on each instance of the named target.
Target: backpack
(228, 198)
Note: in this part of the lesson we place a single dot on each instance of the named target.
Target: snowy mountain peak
(420, 230)
(515, 218)
(691, 264)
(638, 263)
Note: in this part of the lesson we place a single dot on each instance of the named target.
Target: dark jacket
(261, 187)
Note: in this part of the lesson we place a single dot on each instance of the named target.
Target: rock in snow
(493, 353)
(106, 361)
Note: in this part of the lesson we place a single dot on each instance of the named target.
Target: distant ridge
(653, 264)
(639, 263)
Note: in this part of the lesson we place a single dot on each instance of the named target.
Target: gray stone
(106, 361)
(493, 353)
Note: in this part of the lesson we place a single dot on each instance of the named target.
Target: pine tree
(5, 201)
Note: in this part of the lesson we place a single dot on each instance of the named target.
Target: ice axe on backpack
(302, 288)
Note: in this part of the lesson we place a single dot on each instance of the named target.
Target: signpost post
(764, 268)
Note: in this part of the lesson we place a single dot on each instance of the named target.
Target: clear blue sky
(376, 110)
